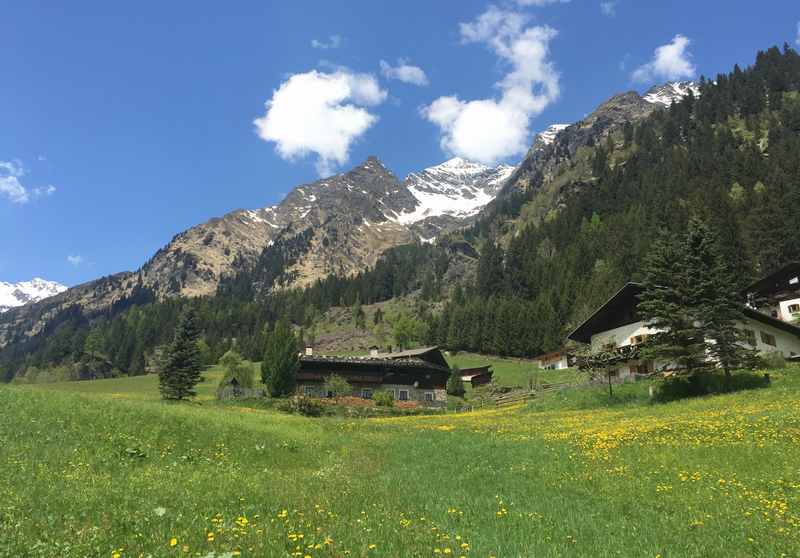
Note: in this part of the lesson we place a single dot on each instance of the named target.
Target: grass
(106, 469)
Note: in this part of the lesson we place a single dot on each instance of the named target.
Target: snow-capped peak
(670, 92)
(549, 134)
(25, 292)
(456, 188)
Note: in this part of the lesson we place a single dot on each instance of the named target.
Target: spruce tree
(716, 300)
(281, 361)
(666, 304)
(183, 361)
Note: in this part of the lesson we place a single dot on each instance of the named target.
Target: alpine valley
(519, 253)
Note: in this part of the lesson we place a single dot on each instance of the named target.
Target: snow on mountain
(456, 188)
(667, 93)
(549, 134)
(17, 294)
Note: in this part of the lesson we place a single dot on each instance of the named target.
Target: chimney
(309, 351)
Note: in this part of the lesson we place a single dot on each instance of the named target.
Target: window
(428, 396)
(794, 308)
(308, 390)
(366, 394)
(749, 337)
(328, 393)
(768, 339)
(403, 395)
(638, 339)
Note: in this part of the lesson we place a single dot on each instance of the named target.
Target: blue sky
(125, 123)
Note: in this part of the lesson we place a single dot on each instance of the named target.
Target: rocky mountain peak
(668, 93)
(26, 292)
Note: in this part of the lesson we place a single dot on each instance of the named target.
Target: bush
(773, 359)
(338, 386)
(302, 406)
(383, 398)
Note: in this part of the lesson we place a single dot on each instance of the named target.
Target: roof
(376, 362)
(769, 320)
(620, 310)
(469, 373)
(776, 281)
(429, 354)
(617, 311)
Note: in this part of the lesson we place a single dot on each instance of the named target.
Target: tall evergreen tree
(183, 361)
(666, 302)
(281, 361)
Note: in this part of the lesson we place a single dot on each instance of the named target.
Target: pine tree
(281, 362)
(183, 361)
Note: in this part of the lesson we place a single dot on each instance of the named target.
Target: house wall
(621, 336)
(786, 343)
(783, 310)
(552, 363)
(414, 394)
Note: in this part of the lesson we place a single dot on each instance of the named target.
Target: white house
(557, 360)
(616, 325)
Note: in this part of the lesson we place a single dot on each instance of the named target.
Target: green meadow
(105, 468)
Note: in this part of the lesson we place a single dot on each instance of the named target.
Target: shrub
(302, 406)
(773, 359)
(383, 398)
(338, 386)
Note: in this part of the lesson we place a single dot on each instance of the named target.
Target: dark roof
(430, 354)
(769, 320)
(620, 310)
(377, 362)
(776, 281)
(617, 311)
(477, 371)
(374, 370)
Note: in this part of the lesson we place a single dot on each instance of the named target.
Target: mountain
(450, 195)
(25, 292)
(338, 225)
(543, 171)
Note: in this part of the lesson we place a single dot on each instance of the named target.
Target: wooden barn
(418, 375)
(479, 376)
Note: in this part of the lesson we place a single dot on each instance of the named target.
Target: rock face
(25, 292)
(670, 92)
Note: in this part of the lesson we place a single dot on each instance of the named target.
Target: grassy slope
(106, 470)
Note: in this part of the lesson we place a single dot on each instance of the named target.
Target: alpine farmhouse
(418, 375)
(770, 307)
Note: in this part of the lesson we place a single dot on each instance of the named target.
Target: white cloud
(405, 72)
(320, 113)
(334, 41)
(671, 61)
(609, 8)
(75, 260)
(10, 185)
(48, 190)
(488, 130)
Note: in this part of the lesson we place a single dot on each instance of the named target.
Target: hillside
(670, 479)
